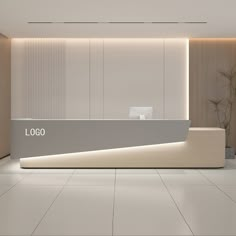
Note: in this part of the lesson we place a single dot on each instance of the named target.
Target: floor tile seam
(136, 173)
(113, 207)
(199, 173)
(87, 185)
(58, 194)
(179, 174)
(50, 174)
(112, 235)
(93, 172)
(214, 235)
(215, 185)
(1, 195)
(47, 173)
(68, 179)
(176, 205)
(219, 172)
(76, 173)
(189, 185)
(146, 235)
(90, 174)
(60, 191)
(15, 173)
(154, 188)
(40, 185)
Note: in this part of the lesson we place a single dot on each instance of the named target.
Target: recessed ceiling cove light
(117, 22)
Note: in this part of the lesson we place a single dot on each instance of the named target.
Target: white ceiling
(220, 16)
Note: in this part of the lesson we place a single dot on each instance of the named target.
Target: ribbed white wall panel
(38, 87)
(96, 79)
(18, 98)
(77, 79)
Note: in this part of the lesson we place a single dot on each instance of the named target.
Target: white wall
(176, 79)
(99, 78)
(133, 76)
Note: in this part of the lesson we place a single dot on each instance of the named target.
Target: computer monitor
(140, 113)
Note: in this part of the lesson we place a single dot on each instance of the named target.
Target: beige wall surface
(5, 95)
(206, 58)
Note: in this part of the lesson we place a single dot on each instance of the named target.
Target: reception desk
(47, 137)
(117, 144)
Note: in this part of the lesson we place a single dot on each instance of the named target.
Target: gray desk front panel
(68, 136)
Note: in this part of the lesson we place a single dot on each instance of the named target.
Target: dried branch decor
(223, 107)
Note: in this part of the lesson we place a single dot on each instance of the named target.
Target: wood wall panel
(5, 95)
(206, 58)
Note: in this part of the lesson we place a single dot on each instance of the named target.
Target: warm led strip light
(117, 22)
(187, 79)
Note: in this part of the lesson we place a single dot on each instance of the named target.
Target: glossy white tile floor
(125, 202)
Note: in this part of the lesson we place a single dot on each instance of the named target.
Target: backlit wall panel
(176, 78)
(99, 78)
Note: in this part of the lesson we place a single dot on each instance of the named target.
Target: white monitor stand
(140, 113)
